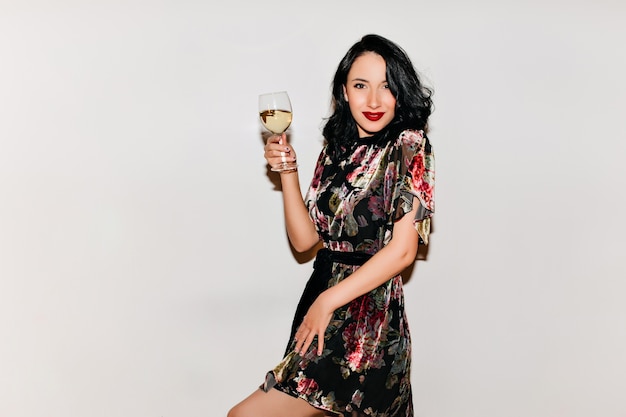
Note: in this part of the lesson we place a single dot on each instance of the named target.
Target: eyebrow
(366, 81)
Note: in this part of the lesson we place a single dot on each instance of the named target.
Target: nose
(373, 101)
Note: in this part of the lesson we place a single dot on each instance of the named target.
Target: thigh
(274, 403)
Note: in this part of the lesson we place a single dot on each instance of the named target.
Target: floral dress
(365, 366)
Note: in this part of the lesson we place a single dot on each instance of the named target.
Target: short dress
(364, 368)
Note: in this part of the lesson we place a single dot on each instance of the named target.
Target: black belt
(327, 256)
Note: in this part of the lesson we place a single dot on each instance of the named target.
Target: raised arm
(300, 228)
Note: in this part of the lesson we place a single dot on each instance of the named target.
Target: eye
(359, 85)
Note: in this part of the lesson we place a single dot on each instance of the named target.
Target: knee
(235, 412)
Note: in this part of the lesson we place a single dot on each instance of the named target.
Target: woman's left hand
(315, 323)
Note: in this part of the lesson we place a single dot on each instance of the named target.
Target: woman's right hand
(277, 151)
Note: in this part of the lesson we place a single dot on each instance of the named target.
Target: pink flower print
(375, 205)
(361, 221)
(341, 246)
(356, 177)
(368, 246)
(426, 192)
(317, 175)
(391, 175)
(417, 167)
(363, 336)
(411, 137)
(307, 386)
(397, 292)
(355, 357)
(358, 155)
(322, 221)
(357, 398)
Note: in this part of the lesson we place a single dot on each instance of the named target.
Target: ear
(345, 93)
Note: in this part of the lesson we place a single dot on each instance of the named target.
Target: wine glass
(275, 113)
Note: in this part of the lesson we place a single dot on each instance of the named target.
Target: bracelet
(289, 171)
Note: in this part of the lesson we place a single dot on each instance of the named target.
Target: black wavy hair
(413, 99)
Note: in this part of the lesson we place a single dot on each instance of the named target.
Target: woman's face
(367, 92)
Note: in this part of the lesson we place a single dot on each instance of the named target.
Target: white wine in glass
(275, 113)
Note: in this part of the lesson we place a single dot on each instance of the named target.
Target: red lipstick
(373, 116)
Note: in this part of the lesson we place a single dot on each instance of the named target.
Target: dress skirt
(365, 365)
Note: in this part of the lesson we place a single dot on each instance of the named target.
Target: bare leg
(274, 403)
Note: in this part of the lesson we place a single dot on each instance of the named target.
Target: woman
(370, 203)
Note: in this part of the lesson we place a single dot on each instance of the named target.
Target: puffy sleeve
(414, 180)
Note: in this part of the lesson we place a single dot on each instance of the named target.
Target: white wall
(144, 269)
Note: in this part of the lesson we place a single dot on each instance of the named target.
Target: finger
(281, 156)
(273, 139)
(300, 338)
(278, 139)
(320, 344)
(307, 343)
(276, 149)
(296, 338)
(300, 346)
(276, 156)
